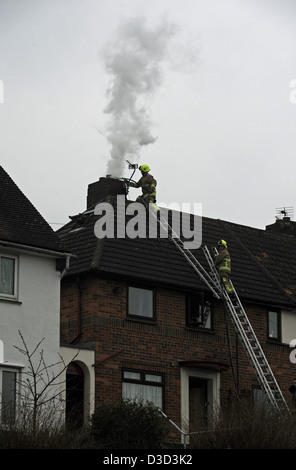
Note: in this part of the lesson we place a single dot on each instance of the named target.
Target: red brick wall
(123, 342)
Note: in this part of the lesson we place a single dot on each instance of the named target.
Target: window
(140, 302)
(199, 313)
(274, 321)
(8, 276)
(142, 385)
(8, 396)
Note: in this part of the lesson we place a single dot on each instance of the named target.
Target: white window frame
(13, 296)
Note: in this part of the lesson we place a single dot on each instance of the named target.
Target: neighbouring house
(30, 252)
(140, 304)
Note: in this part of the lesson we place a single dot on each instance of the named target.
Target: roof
(262, 269)
(20, 222)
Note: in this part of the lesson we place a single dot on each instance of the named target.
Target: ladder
(191, 259)
(236, 312)
(249, 341)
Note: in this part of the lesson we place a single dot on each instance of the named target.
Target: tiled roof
(262, 269)
(20, 222)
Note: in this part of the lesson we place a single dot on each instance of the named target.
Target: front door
(198, 404)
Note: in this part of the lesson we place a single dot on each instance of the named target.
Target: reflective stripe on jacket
(148, 185)
(223, 261)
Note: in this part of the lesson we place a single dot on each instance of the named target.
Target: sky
(203, 91)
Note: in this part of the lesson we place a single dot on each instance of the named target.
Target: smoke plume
(134, 60)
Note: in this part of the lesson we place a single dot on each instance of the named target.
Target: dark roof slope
(157, 260)
(20, 222)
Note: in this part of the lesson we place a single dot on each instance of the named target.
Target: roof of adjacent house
(20, 222)
(262, 261)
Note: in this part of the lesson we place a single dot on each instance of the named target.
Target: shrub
(128, 424)
(245, 426)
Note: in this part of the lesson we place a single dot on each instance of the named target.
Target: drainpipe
(67, 266)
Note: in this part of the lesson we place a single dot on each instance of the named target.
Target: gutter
(43, 251)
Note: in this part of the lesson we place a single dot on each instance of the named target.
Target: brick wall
(157, 347)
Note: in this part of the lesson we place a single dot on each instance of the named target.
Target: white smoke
(134, 60)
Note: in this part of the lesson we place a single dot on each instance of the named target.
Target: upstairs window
(8, 276)
(274, 325)
(141, 303)
(199, 311)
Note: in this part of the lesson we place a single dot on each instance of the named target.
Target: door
(74, 396)
(198, 404)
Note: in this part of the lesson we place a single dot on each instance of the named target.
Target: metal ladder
(236, 312)
(249, 341)
(174, 237)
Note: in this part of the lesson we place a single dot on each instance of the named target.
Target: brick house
(139, 303)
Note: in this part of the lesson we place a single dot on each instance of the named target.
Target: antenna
(283, 212)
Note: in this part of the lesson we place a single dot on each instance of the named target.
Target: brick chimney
(284, 225)
(104, 189)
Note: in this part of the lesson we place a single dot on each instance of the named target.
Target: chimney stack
(101, 190)
(283, 223)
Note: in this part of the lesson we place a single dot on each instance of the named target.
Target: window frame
(143, 381)
(278, 337)
(202, 299)
(14, 296)
(129, 315)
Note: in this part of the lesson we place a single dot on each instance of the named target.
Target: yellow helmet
(222, 243)
(144, 168)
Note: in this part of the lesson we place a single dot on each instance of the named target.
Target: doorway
(198, 404)
(74, 396)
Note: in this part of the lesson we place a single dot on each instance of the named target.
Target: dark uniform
(223, 263)
(148, 185)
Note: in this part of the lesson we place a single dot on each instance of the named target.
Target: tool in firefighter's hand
(132, 166)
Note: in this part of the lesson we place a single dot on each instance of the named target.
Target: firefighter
(148, 185)
(223, 263)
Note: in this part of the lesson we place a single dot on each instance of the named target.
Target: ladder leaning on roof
(236, 311)
(249, 341)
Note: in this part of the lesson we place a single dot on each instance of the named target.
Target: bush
(128, 425)
(245, 426)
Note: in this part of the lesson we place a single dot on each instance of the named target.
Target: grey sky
(221, 113)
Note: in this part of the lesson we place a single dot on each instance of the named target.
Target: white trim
(213, 379)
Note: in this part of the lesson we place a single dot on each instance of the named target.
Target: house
(140, 303)
(29, 296)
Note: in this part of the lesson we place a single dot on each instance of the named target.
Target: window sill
(199, 328)
(274, 341)
(14, 301)
(149, 321)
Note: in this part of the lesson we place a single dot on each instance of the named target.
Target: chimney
(106, 188)
(283, 223)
